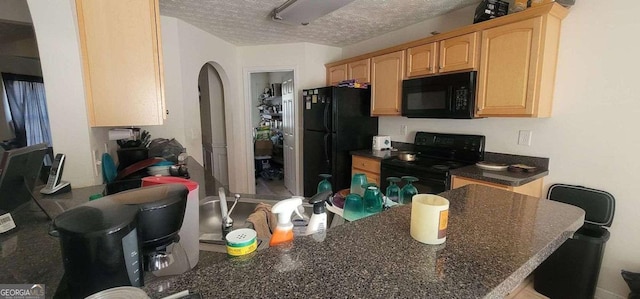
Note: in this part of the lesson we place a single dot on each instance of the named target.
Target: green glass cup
(357, 182)
(372, 199)
(324, 185)
(393, 191)
(408, 190)
(353, 207)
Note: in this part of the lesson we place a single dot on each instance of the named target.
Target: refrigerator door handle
(326, 148)
(325, 120)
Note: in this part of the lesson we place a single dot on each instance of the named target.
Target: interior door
(288, 131)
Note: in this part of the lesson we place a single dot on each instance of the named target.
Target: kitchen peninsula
(495, 239)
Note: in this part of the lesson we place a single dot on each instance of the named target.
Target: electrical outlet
(403, 130)
(524, 137)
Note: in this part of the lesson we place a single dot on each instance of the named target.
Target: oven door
(426, 184)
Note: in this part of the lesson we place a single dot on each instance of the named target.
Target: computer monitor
(19, 171)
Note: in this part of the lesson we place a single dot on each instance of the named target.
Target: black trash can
(572, 270)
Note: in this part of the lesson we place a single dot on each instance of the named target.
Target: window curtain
(27, 102)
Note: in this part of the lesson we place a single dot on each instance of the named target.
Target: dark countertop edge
(517, 277)
(519, 178)
(376, 155)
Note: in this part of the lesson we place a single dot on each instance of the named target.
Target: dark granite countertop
(495, 239)
(505, 177)
(372, 257)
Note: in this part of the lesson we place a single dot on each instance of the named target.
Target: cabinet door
(421, 60)
(122, 62)
(458, 53)
(532, 189)
(387, 72)
(335, 74)
(508, 65)
(359, 70)
(366, 164)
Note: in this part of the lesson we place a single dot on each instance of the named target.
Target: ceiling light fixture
(302, 12)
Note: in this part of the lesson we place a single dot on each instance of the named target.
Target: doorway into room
(212, 124)
(272, 119)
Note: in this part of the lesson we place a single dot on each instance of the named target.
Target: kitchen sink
(211, 220)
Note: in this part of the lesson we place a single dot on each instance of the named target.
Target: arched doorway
(212, 123)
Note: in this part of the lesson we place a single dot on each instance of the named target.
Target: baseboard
(604, 294)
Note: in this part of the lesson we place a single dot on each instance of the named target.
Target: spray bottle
(318, 222)
(284, 230)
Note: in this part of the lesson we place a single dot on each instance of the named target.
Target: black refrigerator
(336, 120)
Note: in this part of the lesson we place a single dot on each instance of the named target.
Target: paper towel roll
(429, 218)
(116, 134)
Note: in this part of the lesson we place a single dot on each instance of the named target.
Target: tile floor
(271, 187)
(525, 291)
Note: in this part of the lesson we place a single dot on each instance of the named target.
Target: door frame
(249, 103)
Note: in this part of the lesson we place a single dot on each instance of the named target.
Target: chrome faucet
(227, 221)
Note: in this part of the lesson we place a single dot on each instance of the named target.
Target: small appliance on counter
(381, 142)
(108, 242)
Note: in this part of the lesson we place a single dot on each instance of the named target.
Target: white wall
(186, 49)
(307, 62)
(590, 138)
(54, 22)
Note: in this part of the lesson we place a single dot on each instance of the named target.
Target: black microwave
(441, 96)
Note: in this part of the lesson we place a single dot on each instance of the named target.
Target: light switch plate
(524, 137)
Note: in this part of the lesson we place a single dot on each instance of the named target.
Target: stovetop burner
(426, 164)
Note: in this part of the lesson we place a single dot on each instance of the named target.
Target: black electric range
(437, 154)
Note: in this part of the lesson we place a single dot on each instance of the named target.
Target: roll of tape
(429, 218)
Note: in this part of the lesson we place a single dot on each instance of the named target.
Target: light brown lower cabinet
(370, 168)
(532, 189)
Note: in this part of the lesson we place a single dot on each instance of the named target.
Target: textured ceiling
(248, 22)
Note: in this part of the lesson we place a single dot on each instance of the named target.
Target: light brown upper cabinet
(122, 61)
(387, 73)
(458, 53)
(336, 74)
(449, 55)
(421, 60)
(359, 70)
(517, 69)
(515, 56)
